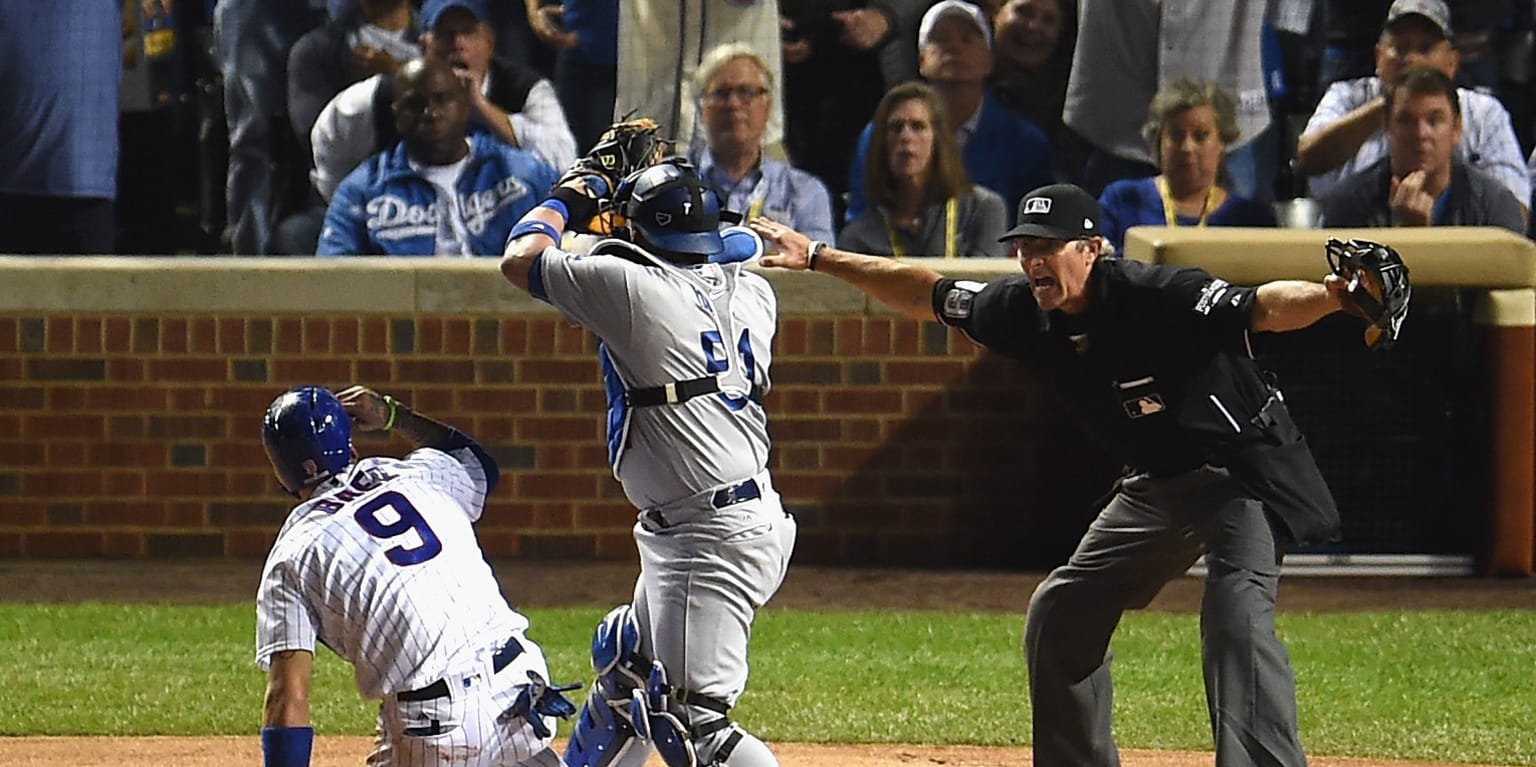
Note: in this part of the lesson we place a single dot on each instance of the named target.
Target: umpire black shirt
(1158, 366)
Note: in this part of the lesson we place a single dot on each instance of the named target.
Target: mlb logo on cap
(1037, 205)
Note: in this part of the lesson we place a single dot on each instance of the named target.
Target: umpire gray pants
(1151, 531)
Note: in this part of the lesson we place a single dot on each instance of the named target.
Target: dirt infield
(560, 584)
(350, 752)
(554, 584)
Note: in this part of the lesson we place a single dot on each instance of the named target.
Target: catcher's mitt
(624, 148)
(1378, 286)
(627, 146)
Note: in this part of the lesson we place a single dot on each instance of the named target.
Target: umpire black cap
(1056, 212)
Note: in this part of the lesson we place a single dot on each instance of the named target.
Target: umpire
(1156, 361)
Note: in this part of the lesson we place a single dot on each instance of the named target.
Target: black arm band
(582, 207)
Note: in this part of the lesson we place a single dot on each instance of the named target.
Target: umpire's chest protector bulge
(1158, 368)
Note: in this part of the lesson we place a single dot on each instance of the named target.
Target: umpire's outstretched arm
(1294, 304)
(1279, 306)
(904, 287)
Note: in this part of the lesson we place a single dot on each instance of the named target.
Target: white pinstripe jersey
(382, 566)
(660, 324)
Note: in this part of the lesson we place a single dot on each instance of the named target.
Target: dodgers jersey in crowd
(381, 565)
(645, 310)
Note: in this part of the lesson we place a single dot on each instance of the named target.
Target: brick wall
(133, 431)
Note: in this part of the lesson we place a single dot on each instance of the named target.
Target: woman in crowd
(1189, 127)
(922, 202)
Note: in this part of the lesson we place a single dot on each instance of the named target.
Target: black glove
(1378, 286)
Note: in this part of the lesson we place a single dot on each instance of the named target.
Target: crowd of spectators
(907, 127)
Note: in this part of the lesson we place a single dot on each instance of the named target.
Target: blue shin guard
(603, 733)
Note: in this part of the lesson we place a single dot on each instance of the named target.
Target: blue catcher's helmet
(308, 436)
(670, 207)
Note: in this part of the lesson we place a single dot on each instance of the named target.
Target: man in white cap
(1001, 150)
(1346, 133)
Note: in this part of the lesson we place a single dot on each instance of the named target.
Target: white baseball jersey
(660, 324)
(382, 566)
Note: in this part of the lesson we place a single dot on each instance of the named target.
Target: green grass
(1444, 686)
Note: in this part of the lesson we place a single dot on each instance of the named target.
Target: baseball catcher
(687, 339)
(1378, 286)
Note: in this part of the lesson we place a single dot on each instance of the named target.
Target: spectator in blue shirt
(585, 36)
(1189, 127)
(734, 100)
(439, 191)
(62, 60)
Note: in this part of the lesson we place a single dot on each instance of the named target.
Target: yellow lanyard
(951, 229)
(755, 208)
(1171, 216)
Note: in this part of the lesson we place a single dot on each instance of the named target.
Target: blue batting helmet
(308, 437)
(673, 209)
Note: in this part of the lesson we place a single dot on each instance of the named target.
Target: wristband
(534, 226)
(286, 746)
(811, 251)
(394, 409)
(558, 207)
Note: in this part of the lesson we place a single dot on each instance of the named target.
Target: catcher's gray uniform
(714, 539)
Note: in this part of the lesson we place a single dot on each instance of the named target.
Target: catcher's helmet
(670, 207)
(308, 437)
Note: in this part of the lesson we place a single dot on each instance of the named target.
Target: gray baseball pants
(705, 569)
(1152, 531)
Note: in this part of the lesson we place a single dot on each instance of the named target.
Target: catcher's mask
(308, 437)
(1378, 283)
(671, 208)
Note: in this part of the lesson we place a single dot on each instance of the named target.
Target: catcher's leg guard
(603, 734)
(693, 730)
(655, 717)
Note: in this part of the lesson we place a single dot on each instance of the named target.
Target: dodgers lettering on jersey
(661, 324)
(392, 217)
(383, 567)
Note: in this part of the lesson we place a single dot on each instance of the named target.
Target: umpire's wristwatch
(811, 252)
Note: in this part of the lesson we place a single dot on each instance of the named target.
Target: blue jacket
(386, 208)
(1006, 154)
